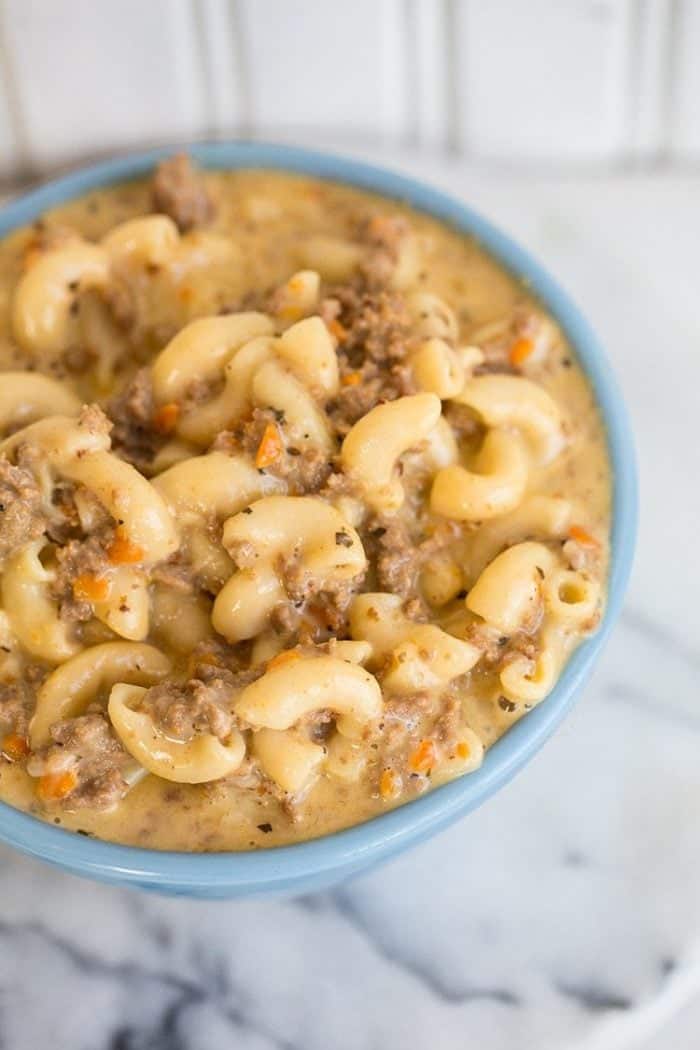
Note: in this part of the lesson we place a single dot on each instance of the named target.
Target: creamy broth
(417, 708)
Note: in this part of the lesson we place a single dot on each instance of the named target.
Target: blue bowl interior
(310, 865)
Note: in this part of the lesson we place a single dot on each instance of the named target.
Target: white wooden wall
(596, 82)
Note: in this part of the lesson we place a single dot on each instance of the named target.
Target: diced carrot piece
(520, 351)
(165, 418)
(389, 784)
(185, 294)
(270, 447)
(463, 749)
(423, 758)
(87, 588)
(337, 330)
(295, 284)
(287, 656)
(352, 378)
(122, 551)
(379, 226)
(582, 536)
(15, 747)
(55, 786)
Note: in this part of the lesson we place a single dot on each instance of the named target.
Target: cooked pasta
(303, 502)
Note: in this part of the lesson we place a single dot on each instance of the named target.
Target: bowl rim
(268, 869)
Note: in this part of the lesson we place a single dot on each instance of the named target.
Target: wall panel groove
(594, 82)
(223, 66)
(14, 150)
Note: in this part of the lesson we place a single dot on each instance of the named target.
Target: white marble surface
(565, 914)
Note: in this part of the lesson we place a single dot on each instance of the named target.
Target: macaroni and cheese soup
(304, 501)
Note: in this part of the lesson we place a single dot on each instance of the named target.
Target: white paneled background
(594, 82)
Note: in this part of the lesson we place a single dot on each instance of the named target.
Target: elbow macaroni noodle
(346, 527)
(286, 694)
(494, 487)
(71, 687)
(279, 526)
(196, 761)
(373, 447)
(503, 400)
(28, 396)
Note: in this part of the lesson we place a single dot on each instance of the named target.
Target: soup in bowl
(308, 478)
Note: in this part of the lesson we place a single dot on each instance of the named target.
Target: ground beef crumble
(134, 436)
(78, 558)
(93, 419)
(22, 518)
(399, 556)
(17, 700)
(374, 340)
(406, 722)
(23, 514)
(87, 747)
(199, 705)
(305, 470)
(312, 614)
(179, 191)
(376, 324)
(499, 650)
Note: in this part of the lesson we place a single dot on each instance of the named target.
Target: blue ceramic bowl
(314, 865)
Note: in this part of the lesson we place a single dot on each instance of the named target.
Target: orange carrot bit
(423, 758)
(55, 786)
(296, 284)
(270, 447)
(15, 747)
(337, 330)
(463, 749)
(583, 536)
(352, 379)
(389, 784)
(379, 226)
(165, 418)
(313, 620)
(185, 294)
(122, 551)
(520, 351)
(287, 656)
(87, 588)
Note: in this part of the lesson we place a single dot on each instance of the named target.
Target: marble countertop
(563, 915)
